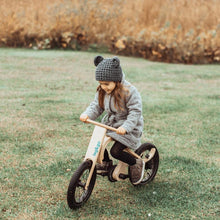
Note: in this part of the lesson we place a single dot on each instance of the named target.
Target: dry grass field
(167, 30)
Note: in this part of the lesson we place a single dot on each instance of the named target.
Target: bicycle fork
(93, 150)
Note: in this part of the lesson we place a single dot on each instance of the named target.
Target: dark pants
(117, 151)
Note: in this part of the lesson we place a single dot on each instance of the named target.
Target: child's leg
(106, 156)
(106, 162)
(118, 153)
(136, 165)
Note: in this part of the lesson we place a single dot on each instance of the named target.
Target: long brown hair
(119, 93)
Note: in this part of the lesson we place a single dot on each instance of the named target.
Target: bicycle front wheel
(77, 195)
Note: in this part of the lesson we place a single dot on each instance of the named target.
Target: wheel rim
(80, 191)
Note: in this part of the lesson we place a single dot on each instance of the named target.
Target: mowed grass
(42, 94)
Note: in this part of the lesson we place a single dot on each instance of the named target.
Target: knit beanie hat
(108, 69)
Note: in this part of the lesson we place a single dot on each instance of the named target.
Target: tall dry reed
(188, 31)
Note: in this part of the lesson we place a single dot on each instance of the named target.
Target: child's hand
(83, 117)
(121, 131)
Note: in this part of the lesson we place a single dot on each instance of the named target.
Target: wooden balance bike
(83, 180)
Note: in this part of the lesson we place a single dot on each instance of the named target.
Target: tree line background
(162, 30)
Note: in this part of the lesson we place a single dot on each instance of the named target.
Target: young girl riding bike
(123, 107)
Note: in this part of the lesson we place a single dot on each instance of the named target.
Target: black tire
(76, 194)
(151, 166)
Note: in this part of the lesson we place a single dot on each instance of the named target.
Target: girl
(123, 106)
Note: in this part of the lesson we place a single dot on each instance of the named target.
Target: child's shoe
(104, 166)
(137, 171)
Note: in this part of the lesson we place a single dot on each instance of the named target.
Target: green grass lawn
(42, 94)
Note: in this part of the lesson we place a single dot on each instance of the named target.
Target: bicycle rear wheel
(151, 166)
(77, 195)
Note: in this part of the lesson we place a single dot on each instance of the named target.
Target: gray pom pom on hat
(108, 69)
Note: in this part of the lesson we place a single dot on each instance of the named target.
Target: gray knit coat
(130, 118)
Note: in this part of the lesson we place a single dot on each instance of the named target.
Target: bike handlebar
(101, 125)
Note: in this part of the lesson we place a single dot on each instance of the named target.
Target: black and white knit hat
(108, 69)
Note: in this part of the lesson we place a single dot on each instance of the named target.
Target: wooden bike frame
(96, 148)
